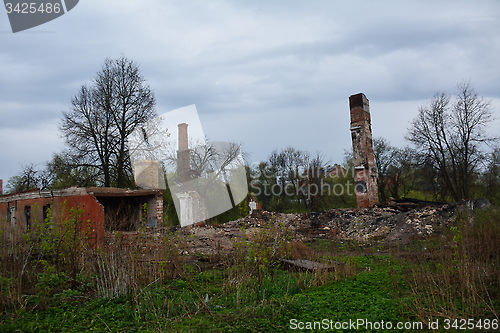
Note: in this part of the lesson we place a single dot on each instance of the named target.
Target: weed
(459, 275)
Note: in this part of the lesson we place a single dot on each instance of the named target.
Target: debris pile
(394, 224)
(363, 224)
(388, 224)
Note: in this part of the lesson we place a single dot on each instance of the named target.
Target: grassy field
(449, 279)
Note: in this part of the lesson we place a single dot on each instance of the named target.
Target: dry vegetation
(457, 274)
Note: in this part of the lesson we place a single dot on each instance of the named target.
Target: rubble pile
(358, 224)
(382, 223)
(259, 218)
(378, 223)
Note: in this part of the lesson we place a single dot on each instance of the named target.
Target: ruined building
(102, 209)
(364, 161)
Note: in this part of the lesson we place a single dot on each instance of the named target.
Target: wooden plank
(307, 264)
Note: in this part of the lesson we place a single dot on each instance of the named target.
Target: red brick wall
(92, 211)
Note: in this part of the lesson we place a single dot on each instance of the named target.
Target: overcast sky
(268, 74)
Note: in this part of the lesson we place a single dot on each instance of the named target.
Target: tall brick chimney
(1, 186)
(191, 207)
(183, 165)
(364, 161)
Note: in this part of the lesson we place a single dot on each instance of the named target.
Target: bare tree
(471, 116)
(401, 172)
(452, 136)
(299, 176)
(384, 157)
(65, 171)
(200, 158)
(102, 117)
(491, 178)
(28, 179)
(215, 161)
(395, 169)
(88, 131)
(316, 168)
(288, 167)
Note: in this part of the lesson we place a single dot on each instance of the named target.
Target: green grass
(242, 307)
(270, 305)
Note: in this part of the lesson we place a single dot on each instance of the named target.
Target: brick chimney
(364, 161)
(183, 161)
(1, 186)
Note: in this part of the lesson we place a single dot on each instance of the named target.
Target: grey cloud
(268, 74)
